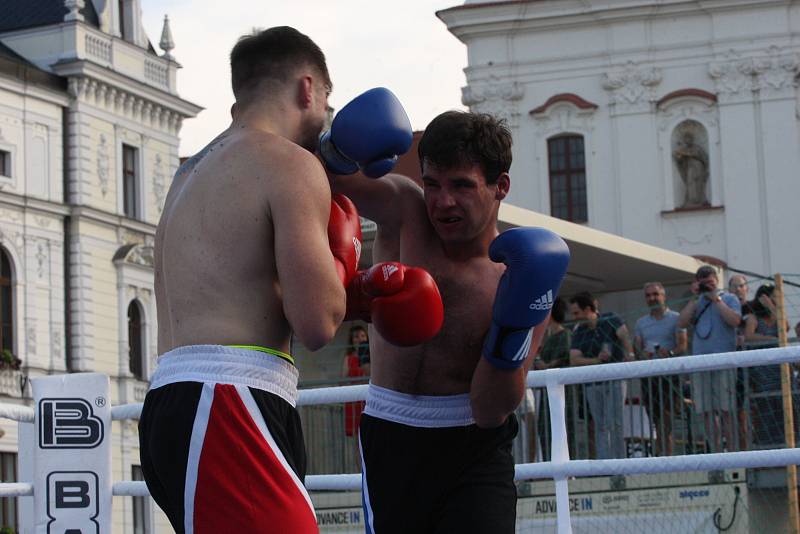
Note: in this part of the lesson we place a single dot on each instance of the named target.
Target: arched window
(135, 342)
(567, 166)
(7, 304)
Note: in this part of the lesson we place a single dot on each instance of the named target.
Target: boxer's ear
(503, 185)
(305, 91)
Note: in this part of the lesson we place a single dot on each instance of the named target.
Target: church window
(567, 168)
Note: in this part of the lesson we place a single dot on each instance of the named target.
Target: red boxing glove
(403, 303)
(344, 236)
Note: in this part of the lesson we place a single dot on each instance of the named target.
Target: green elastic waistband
(279, 354)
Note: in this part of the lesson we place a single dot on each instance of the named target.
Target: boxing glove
(344, 237)
(536, 262)
(403, 303)
(367, 134)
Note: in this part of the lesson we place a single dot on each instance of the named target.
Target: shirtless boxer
(437, 430)
(242, 261)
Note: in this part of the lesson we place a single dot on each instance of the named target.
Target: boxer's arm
(383, 200)
(495, 393)
(313, 296)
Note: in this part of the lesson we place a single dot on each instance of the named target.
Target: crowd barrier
(65, 447)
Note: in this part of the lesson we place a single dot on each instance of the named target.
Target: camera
(703, 287)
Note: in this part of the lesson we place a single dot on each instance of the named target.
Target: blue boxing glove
(367, 134)
(536, 262)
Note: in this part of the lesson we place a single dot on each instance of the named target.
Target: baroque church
(672, 123)
(89, 125)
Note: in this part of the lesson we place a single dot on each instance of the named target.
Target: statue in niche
(691, 160)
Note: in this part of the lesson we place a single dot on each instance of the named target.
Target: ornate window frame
(564, 114)
(135, 282)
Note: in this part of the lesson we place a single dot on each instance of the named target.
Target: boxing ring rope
(560, 467)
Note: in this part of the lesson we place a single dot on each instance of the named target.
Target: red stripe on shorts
(242, 486)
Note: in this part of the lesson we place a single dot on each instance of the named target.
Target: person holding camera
(714, 315)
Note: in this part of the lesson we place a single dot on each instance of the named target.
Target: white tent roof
(605, 262)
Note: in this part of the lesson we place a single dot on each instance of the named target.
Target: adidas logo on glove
(388, 270)
(545, 302)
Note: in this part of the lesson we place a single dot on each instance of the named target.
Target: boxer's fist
(536, 262)
(344, 237)
(403, 303)
(367, 134)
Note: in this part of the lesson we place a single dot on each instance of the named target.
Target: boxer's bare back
(241, 247)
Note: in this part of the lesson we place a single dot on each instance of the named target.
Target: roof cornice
(86, 77)
(508, 17)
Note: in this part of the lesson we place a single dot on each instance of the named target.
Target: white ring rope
(16, 489)
(557, 470)
(345, 482)
(332, 395)
(16, 412)
(130, 488)
(663, 366)
(126, 411)
(570, 375)
(659, 464)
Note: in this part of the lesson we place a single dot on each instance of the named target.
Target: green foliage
(8, 361)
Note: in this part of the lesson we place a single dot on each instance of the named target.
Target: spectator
(761, 326)
(737, 285)
(597, 340)
(657, 335)
(715, 315)
(355, 364)
(797, 332)
(761, 332)
(555, 348)
(554, 353)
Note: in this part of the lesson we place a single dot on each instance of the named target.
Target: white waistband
(227, 365)
(419, 410)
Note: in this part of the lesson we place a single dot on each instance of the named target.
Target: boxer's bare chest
(445, 364)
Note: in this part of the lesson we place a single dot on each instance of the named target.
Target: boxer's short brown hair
(273, 54)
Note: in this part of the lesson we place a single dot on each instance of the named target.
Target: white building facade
(89, 124)
(671, 122)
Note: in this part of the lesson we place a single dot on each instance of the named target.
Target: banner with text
(72, 457)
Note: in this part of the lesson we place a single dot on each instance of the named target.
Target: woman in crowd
(761, 332)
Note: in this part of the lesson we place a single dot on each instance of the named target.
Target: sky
(367, 43)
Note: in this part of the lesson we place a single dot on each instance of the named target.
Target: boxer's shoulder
(262, 153)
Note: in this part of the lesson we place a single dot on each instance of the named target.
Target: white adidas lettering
(545, 302)
(389, 270)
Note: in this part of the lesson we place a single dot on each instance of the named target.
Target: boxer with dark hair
(220, 439)
(437, 429)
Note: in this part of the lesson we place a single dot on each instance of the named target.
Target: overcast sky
(368, 43)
